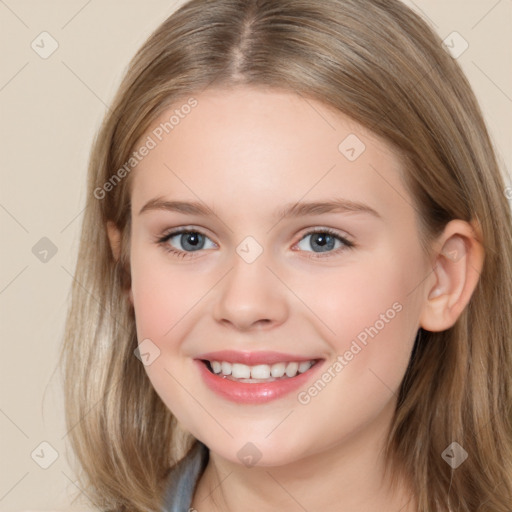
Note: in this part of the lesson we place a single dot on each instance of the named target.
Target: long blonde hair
(379, 63)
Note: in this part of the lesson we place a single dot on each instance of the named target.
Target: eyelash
(162, 241)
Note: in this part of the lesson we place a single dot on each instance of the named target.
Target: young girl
(294, 282)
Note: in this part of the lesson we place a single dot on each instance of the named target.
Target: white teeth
(216, 367)
(226, 368)
(291, 369)
(304, 366)
(240, 371)
(260, 371)
(278, 369)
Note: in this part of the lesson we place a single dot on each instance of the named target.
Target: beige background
(51, 109)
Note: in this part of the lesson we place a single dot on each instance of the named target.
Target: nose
(251, 297)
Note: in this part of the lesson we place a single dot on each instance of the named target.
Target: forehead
(261, 146)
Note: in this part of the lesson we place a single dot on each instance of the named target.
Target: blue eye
(189, 241)
(324, 241)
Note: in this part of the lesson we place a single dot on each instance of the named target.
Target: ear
(458, 262)
(114, 237)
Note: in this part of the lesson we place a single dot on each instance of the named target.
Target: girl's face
(270, 268)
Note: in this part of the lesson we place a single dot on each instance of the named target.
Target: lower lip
(254, 393)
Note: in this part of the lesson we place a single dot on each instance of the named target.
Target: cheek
(352, 299)
(162, 297)
(163, 294)
(370, 313)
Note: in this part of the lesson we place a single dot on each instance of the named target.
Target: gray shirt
(183, 479)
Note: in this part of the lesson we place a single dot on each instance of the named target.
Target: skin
(246, 152)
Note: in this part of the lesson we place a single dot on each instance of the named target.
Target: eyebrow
(299, 209)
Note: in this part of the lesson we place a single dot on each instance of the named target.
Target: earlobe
(114, 236)
(456, 271)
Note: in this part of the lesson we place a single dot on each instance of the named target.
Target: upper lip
(253, 358)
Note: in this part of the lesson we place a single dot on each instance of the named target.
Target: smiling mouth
(260, 373)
